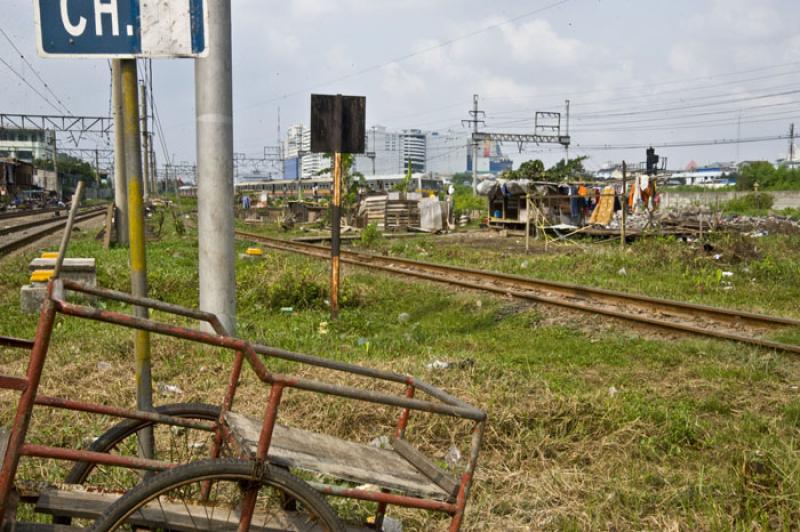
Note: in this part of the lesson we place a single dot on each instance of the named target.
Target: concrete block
(31, 297)
(80, 270)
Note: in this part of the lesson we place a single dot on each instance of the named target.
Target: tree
(69, 165)
(564, 169)
(768, 177)
(351, 181)
(534, 170)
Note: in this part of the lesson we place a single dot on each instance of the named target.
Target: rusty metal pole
(137, 254)
(336, 227)
(624, 204)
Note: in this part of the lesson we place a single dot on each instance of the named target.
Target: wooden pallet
(402, 469)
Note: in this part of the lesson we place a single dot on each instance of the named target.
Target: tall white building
(414, 146)
(299, 159)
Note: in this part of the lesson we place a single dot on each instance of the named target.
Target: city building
(26, 144)
(414, 148)
(299, 159)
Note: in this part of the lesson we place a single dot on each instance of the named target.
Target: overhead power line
(28, 83)
(682, 144)
(411, 55)
(36, 73)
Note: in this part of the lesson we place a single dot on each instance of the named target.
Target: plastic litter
(381, 442)
(104, 366)
(169, 389)
(453, 456)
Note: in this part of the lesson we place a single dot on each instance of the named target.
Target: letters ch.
(100, 8)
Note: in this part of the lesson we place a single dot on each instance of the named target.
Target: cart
(255, 474)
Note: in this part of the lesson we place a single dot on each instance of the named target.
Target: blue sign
(121, 28)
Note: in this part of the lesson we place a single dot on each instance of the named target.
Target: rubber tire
(208, 469)
(124, 429)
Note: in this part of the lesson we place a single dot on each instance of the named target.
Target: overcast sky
(636, 71)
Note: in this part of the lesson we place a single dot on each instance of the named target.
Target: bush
(750, 204)
(370, 235)
(464, 200)
(301, 289)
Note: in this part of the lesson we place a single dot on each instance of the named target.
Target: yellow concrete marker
(254, 252)
(49, 255)
(41, 276)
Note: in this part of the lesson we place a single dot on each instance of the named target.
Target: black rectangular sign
(338, 123)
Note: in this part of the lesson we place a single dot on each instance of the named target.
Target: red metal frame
(56, 303)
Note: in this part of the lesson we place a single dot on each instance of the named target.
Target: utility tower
(475, 121)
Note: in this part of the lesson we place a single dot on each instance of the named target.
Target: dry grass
(598, 430)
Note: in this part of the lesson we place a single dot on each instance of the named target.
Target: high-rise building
(299, 159)
(414, 146)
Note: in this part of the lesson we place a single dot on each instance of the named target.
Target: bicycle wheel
(173, 444)
(174, 500)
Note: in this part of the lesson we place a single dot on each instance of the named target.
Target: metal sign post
(124, 30)
(338, 125)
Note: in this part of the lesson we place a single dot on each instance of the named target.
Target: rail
(618, 304)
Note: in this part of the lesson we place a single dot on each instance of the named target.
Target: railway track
(21, 235)
(8, 215)
(725, 324)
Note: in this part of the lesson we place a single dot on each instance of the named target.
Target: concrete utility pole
(566, 146)
(146, 144)
(138, 258)
(214, 102)
(791, 143)
(475, 145)
(474, 121)
(624, 204)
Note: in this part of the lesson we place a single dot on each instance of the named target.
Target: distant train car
(187, 191)
(320, 187)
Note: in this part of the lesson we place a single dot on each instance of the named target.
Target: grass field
(592, 425)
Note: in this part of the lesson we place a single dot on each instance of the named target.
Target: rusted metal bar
(22, 417)
(16, 343)
(379, 398)
(264, 440)
(68, 404)
(73, 455)
(330, 364)
(227, 403)
(336, 224)
(270, 415)
(469, 474)
(241, 345)
(154, 304)
(12, 383)
(388, 498)
(402, 423)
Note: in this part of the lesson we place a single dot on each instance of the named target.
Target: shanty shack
(551, 204)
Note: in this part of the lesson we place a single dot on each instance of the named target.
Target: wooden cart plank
(320, 453)
(425, 466)
(4, 435)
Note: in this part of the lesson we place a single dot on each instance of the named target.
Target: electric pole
(214, 104)
(146, 142)
(791, 143)
(474, 121)
(120, 181)
(566, 146)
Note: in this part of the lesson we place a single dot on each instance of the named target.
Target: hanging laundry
(604, 212)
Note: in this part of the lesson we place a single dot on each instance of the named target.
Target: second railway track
(726, 324)
(18, 236)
